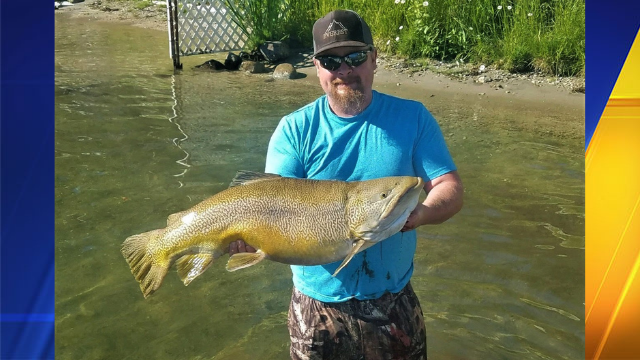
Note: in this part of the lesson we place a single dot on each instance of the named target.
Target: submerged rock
(253, 55)
(211, 65)
(274, 51)
(232, 61)
(254, 67)
(284, 71)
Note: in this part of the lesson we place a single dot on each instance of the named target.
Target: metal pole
(173, 33)
(176, 59)
(172, 47)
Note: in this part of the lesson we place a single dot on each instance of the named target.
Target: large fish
(292, 221)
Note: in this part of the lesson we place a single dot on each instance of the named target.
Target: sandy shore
(405, 76)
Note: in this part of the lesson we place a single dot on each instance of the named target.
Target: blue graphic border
(27, 182)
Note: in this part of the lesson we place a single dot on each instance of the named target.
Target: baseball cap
(340, 28)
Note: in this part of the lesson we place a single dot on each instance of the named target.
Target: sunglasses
(332, 62)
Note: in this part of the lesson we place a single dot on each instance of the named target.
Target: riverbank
(405, 77)
(154, 17)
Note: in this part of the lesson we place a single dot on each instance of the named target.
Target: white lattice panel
(207, 27)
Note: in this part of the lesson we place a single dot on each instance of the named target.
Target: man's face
(348, 87)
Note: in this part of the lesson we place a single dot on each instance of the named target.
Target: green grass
(562, 50)
(142, 4)
(517, 35)
(266, 20)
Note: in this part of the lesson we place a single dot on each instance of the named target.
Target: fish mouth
(408, 192)
(395, 211)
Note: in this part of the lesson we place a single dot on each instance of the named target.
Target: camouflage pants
(391, 327)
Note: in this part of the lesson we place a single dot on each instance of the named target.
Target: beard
(350, 100)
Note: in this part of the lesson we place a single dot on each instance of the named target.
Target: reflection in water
(501, 280)
(176, 141)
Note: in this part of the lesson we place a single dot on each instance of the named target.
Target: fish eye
(384, 195)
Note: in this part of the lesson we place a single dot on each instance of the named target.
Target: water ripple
(551, 308)
(568, 241)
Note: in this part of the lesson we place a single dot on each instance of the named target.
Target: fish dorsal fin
(244, 177)
(242, 260)
(191, 266)
(357, 246)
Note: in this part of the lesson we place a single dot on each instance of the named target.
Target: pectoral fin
(191, 266)
(243, 260)
(356, 247)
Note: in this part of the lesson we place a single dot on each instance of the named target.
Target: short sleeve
(283, 157)
(431, 156)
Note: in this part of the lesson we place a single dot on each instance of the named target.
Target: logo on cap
(335, 29)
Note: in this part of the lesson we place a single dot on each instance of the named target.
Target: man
(369, 310)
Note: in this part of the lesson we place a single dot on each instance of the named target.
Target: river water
(503, 279)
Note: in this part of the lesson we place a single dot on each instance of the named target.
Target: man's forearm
(442, 202)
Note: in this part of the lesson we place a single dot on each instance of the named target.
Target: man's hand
(413, 219)
(239, 246)
(444, 199)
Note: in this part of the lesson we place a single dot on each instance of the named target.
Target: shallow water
(503, 279)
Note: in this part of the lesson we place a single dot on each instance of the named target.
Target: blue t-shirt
(391, 137)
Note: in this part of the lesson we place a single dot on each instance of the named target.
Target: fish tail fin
(146, 272)
(153, 280)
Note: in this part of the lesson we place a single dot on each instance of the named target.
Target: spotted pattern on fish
(292, 221)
